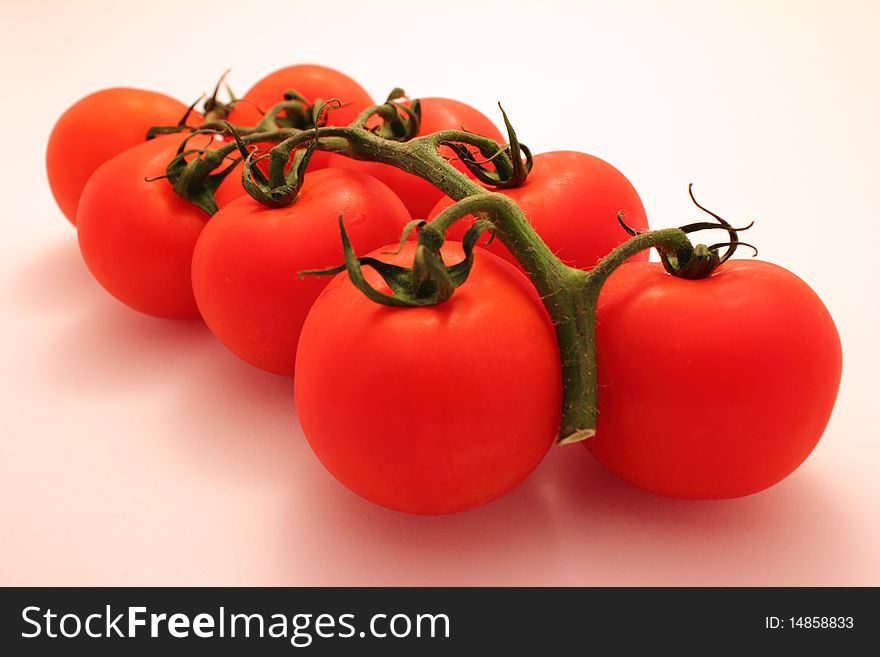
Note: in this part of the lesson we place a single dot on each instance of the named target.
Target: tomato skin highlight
(246, 262)
(438, 114)
(714, 388)
(313, 82)
(137, 237)
(436, 409)
(571, 199)
(96, 128)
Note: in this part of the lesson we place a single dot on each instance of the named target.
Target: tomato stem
(569, 294)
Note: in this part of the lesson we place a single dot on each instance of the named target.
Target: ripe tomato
(246, 261)
(95, 129)
(438, 114)
(712, 388)
(572, 200)
(434, 409)
(137, 237)
(312, 82)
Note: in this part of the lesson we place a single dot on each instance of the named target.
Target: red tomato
(245, 114)
(434, 409)
(137, 237)
(712, 388)
(246, 261)
(313, 82)
(438, 114)
(95, 129)
(572, 200)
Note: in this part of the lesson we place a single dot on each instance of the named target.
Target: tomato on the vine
(571, 199)
(438, 114)
(246, 261)
(96, 128)
(312, 82)
(137, 236)
(431, 409)
(711, 388)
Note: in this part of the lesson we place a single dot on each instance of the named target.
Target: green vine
(387, 133)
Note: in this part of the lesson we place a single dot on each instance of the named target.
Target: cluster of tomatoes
(708, 388)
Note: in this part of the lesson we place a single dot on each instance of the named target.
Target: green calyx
(696, 262)
(399, 122)
(195, 174)
(692, 264)
(280, 187)
(510, 164)
(295, 112)
(428, 282)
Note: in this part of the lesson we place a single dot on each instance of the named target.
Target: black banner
(437, 621)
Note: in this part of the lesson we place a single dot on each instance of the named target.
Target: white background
(139, 451)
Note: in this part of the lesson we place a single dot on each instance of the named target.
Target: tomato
(712, 388)
(572, 200)
(433, 409)
(312, 82)
(438, 114)
(137, 237)
(95, 129)
(246, 261)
